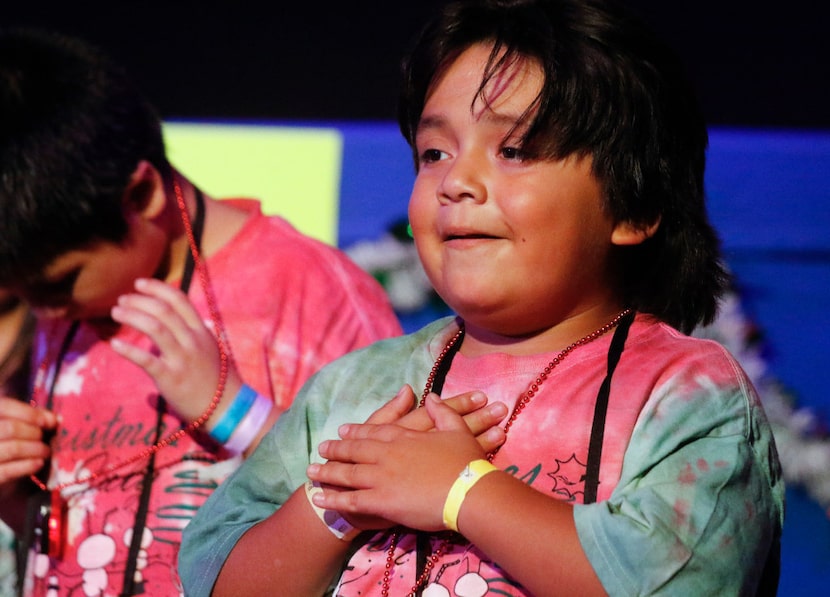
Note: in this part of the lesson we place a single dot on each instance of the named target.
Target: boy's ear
(145, 193)
(628, 233)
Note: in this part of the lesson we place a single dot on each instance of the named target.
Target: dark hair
(73, 128)
(612, 91)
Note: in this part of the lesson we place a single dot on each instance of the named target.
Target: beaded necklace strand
(523, 401)
(111, 471)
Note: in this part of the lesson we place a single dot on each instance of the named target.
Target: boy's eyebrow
(430, 122)
(487, 115)
(515, 123)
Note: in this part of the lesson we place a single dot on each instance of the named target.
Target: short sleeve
(699, 506)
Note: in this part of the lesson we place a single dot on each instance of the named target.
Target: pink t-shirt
(547, 445)
(290, 304)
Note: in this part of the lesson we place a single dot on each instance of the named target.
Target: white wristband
(339, 526)
(250, 425)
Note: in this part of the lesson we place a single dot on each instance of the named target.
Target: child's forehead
(491, 69)
(496, 88)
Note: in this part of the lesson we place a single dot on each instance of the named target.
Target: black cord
(601, 409)
(129, 587)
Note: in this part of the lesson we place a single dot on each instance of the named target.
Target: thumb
(443, 417)
(402, 403)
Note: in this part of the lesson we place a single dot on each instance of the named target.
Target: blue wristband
(236, 412)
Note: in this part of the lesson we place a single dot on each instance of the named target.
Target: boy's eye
(53, 292)
(432, 155)
(512, 153)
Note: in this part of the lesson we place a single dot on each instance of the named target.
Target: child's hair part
(73, 130)
(616, 93)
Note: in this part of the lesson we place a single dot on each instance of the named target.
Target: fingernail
(478, 398)
(495, 435)
(312, 470)
(497, 409)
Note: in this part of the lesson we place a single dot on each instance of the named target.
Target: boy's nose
(463, 180)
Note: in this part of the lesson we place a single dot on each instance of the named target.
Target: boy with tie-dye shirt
(173, 328)
(558, 209)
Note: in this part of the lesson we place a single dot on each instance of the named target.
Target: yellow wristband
(471, 475)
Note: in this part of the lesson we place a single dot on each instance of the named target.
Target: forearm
(532, 536)
(289, 553)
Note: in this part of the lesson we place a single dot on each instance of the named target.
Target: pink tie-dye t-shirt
(289, 304)
(690, 499)
(662, 379)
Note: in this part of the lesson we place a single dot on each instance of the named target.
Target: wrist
(242, 421)
(467, 478)
(334, 521)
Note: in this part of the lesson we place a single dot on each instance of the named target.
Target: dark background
(755, 64)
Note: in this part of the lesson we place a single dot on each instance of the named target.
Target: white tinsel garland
(803, 446)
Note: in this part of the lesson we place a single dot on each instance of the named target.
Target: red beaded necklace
(110, 471)
(523, 401)
(55, 511)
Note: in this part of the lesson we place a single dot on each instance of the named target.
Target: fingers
(184, 359)
(22, 450)
(491, 439)
(341, 501)
(473, 405)
(479, 421)
(18, 449)
(12, 409)
(402, 403)
(482, 422)
(361, 445)
(482, 419)
(337, 474)
(463, 404)
(171, 296)
(444, 417)
(162, 313)
(9, 471)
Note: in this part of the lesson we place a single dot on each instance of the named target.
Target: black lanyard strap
(601, 409)
(597, 426)
(129, 586)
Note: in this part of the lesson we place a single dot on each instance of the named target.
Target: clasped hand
(398, 466)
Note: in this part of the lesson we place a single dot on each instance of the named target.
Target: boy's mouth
(469, 236)
(459, 233)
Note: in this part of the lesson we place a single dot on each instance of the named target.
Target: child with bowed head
(173, 328)
(558, 209)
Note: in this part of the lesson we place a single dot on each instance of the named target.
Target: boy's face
(86, 283)
(512, 245)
